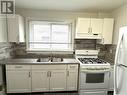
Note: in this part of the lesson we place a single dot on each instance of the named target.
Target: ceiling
(71, 5)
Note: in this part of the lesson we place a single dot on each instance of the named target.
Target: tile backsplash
(85, 44)
(20, 52)
(107, 52)
(6, 50)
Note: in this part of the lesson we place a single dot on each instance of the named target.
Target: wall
(56, 15)
(107, 52)
(120, 16)
(6, 51)
(20, 49)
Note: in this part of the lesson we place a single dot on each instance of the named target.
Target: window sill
(50, 52)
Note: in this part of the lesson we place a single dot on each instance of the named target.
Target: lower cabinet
(40, 81)
(52, 80)
(58, 80)
(41, 78)
(18, 81)
(72, 80)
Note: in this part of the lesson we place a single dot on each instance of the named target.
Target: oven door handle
(95, 71)
(95, 92)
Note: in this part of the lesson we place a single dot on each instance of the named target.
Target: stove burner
(91, 61)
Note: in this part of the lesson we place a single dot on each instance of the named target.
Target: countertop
(34, 62)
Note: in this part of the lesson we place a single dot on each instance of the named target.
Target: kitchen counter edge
(34, 62)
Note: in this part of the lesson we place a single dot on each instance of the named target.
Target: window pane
(60, 36)
(49, 36)
(41, 36)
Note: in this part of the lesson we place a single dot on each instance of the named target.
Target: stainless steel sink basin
(50, 59)
(56, 59)
(43, 60)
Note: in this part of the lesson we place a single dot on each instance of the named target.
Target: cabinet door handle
(17, 38)
(74, 66)
(67, 73)
(103, 40)
(89, 30)
(95, 34)
(29, 74)
(50, 74)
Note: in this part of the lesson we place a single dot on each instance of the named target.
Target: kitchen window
(49, 36)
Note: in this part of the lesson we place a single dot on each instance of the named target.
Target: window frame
(71, 33)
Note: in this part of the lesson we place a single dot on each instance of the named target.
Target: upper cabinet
(89, 28)
(107, 31)
(3, 30)
(83, 26)
(96, 26)
(15, 26)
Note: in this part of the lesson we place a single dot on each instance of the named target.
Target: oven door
(98, 80)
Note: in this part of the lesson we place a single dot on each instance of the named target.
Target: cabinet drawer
(18, 67)
(93, 92)
(47, 67)
(72, 67)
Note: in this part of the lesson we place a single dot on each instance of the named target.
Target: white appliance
(111, 80)
(120, 78)
(1, 81)
(94, 73)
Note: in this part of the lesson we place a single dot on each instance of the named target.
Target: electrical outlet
(99, 50)
(110, 51)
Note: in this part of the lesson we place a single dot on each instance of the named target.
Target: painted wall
(120, 16)
(58, 14)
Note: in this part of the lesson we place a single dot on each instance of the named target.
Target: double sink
(50, 59)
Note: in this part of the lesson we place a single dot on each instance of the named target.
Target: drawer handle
(72, 66)
(50, 74)
(18, 66)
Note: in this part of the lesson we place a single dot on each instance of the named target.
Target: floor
(58, 93)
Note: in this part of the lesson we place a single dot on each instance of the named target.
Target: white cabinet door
(82, 28)
(107, 30)
(72, 79)
(83, 25)
(40, 80)
(18, 81)
(16, 29)
(96, 26)
(58, 80)
(3, 30)
(89, 28)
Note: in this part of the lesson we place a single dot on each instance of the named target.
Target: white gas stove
(94, 73)
(89, 61)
